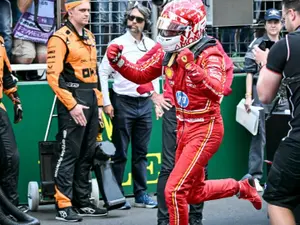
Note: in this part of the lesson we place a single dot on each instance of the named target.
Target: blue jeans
(5, 24)
(107, 21)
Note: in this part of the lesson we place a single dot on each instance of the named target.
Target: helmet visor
(170, 25)
(169, 33)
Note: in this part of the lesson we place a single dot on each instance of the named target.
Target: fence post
(58, 14)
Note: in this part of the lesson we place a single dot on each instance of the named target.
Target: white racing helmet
(181, 24)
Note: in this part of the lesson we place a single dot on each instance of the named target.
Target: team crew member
(130, 107)
(281, 64)
(256, 153)
(198, 82)
(9, 155)
(72, 74)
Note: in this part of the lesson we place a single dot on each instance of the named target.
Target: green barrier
(230, 161)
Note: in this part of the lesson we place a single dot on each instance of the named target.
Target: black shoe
(23, 208)
(195, 221)
(91, 210)
(67, 214)
(11, 217)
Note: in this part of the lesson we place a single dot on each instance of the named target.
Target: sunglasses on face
(137, 18)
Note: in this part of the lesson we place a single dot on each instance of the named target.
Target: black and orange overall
(9, 155)
(72, 74)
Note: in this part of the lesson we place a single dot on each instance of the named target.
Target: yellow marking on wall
(153, 164)
(129, 180)
(107, 125)
(151, 168)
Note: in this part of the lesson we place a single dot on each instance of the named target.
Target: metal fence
(107, 23)
(236, 40)
(107, 20)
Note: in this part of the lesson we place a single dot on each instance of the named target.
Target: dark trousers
(9, 159)
(78, 144)
(168, 160)
(132, 122)
(258, 142)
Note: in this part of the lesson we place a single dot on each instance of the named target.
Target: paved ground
(229, 211)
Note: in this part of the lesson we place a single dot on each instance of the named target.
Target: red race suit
(197, 92)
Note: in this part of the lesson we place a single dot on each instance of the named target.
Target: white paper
(248, 120)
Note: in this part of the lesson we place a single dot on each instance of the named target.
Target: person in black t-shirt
(282, 63)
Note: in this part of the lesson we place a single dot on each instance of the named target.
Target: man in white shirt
(130, 107)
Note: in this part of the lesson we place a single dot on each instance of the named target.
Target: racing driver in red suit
(195, 69)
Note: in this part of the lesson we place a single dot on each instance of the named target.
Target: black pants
(9, 159)
(168, 161)
(282, 188)
(132, 122)
(78, 145)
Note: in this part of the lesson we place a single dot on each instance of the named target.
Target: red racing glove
(185, 58)
(114, 53)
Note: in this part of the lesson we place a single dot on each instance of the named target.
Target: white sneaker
(258, 187)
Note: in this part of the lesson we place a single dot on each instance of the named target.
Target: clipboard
(248, 120)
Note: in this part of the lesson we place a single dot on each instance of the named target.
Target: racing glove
(185, 58)
(114, 53)
(18, 111)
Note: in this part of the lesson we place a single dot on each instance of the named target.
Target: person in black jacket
(272, 34)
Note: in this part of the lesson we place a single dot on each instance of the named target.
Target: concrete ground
(230, 211)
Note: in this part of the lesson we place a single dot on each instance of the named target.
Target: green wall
(37, 97)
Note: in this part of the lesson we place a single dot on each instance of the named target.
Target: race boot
(248, 192)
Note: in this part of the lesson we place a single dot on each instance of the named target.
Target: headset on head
(143, 10)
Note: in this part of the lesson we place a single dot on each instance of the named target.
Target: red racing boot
(248, 192)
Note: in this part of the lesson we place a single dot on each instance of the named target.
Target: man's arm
(137, 73)
(248, 95)
(251, 68)
(23, 5)
(210, 75)
(146, 57)
(157, 98)
(10, 87)
(249, 83)
(215, 78)
(9, 84)
(99, 92)
(271, 80)
(105, 70)
(228, 68)
(55, 64)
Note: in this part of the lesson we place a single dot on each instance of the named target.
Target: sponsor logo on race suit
(182, 99)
